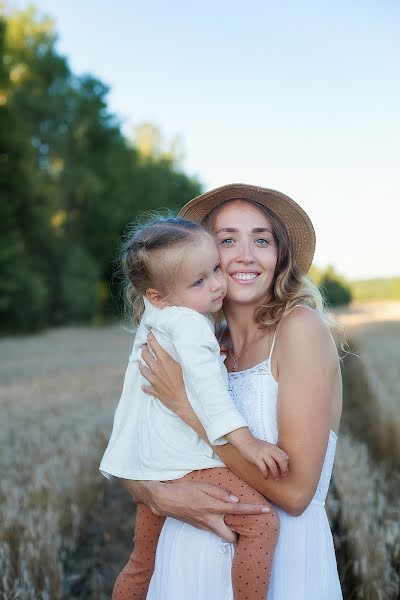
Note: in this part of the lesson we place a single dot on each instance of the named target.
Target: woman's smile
(244, 277)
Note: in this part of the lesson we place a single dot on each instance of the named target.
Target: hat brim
(296, 221)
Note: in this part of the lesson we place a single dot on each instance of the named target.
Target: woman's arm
(309, 376)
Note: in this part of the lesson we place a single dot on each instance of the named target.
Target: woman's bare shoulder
(306, 326)
(301, 316)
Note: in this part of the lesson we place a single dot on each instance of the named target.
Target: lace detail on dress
(254, 400)
(262, 368)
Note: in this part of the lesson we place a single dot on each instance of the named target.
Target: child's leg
(133, 581)
(258, 535)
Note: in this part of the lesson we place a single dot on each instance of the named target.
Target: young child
(174, 281)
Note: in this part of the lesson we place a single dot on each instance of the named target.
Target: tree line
(70, 183)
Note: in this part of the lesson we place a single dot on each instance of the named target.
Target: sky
(300, 96)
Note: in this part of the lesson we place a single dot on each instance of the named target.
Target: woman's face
(247, 250)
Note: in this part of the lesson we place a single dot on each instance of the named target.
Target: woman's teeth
(244, 276)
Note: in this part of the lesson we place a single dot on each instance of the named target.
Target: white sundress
(195, 564)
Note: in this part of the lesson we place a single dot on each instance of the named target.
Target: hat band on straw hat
(295, 220)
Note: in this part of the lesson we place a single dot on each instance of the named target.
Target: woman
(285, 379)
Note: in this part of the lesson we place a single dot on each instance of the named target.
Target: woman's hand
(164, 375)
(199, 504)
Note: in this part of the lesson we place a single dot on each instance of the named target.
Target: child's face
(200, 284)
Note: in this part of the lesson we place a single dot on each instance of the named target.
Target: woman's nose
(245, 252)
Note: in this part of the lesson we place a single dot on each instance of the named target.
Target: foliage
(315, 273)
(335, 289)
(70, 182)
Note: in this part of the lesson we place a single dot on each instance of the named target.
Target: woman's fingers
(239, 508)
(226, 503)
(220, 493)
(218, 525)
(145, 371)
(148, 357)
(148, 389)
(155, 347)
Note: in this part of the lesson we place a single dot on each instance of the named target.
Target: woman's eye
(198, 282)
(227, 242)
(262, 241)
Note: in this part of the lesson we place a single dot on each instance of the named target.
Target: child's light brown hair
(146, 260)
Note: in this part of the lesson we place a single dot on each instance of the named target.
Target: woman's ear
(156, 298)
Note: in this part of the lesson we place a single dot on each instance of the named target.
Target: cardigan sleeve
(199, 354)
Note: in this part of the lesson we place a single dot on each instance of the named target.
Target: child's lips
(220, 297)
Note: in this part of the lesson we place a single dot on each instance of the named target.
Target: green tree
(71, 182)
(23, 290)
(334, 288)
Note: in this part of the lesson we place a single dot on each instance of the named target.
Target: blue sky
(299, 96)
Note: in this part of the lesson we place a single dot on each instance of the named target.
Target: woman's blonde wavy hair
(289, 285)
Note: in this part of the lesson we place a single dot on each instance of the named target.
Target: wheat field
(65, 531)
(57, 399)
(364, 503)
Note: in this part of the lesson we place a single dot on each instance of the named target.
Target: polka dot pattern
(254, 549)
(133, 581)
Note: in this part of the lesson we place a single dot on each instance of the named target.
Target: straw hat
(297, 223)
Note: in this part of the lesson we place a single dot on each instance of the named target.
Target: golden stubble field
(65, 531)
(364, 500)
(62, 528)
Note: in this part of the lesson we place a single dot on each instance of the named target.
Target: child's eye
(217, 268)
(198, 282)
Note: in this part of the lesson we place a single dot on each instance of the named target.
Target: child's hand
(268, 458)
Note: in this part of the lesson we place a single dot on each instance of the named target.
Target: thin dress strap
(272, 346)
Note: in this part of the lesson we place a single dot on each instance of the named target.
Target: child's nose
(216, 283)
